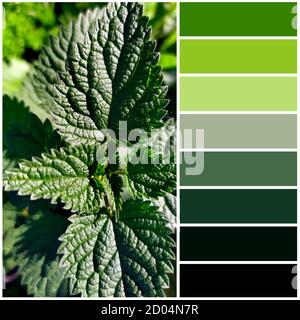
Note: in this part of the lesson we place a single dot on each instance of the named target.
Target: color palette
(238, 187)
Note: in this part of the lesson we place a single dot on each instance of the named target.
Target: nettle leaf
(163, 140)
(60, 175)
(151, 169)
(130, 257)
(36, 254)
(167, 205)
(10, 213)
(151, 180)
(160, 144)
(24, 134)
(113, 76)
(52, 60)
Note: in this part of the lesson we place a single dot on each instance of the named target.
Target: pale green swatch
(238, 93)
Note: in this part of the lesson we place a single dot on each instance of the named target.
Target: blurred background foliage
(27, 27)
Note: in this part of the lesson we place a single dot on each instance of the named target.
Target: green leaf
(116, 183)
(111, 77)
(151, 180)
(151, 169)
(167, 205)
(10, 214)
(35, 249)
(16, 211)
(7, 162)
(63, 174)
(52, 60)
(161, 143)
(130, 257)
(24, 135)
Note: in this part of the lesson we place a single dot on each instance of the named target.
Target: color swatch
(237, 280)
(237, 19)
(243, 131)
(238, 56)
(238, 243)
(238, 93)
(241, 169)
(238, 206)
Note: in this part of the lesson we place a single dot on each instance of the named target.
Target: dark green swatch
(238, 243)
(238, 56)
(239, 169)
(237, 19)
(238, 206)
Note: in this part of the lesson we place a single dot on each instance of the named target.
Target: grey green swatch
(241, 131)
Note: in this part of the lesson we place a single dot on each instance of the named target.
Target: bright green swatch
(238, 56)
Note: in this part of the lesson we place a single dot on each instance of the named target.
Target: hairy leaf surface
(110, 77)
(130, 257)
(167, 205)
(151, 180)
(52, 60)
(63, 174)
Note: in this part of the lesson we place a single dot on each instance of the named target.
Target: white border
(178, 186)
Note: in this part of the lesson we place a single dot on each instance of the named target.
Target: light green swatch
(238, 56)
(238, 93)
